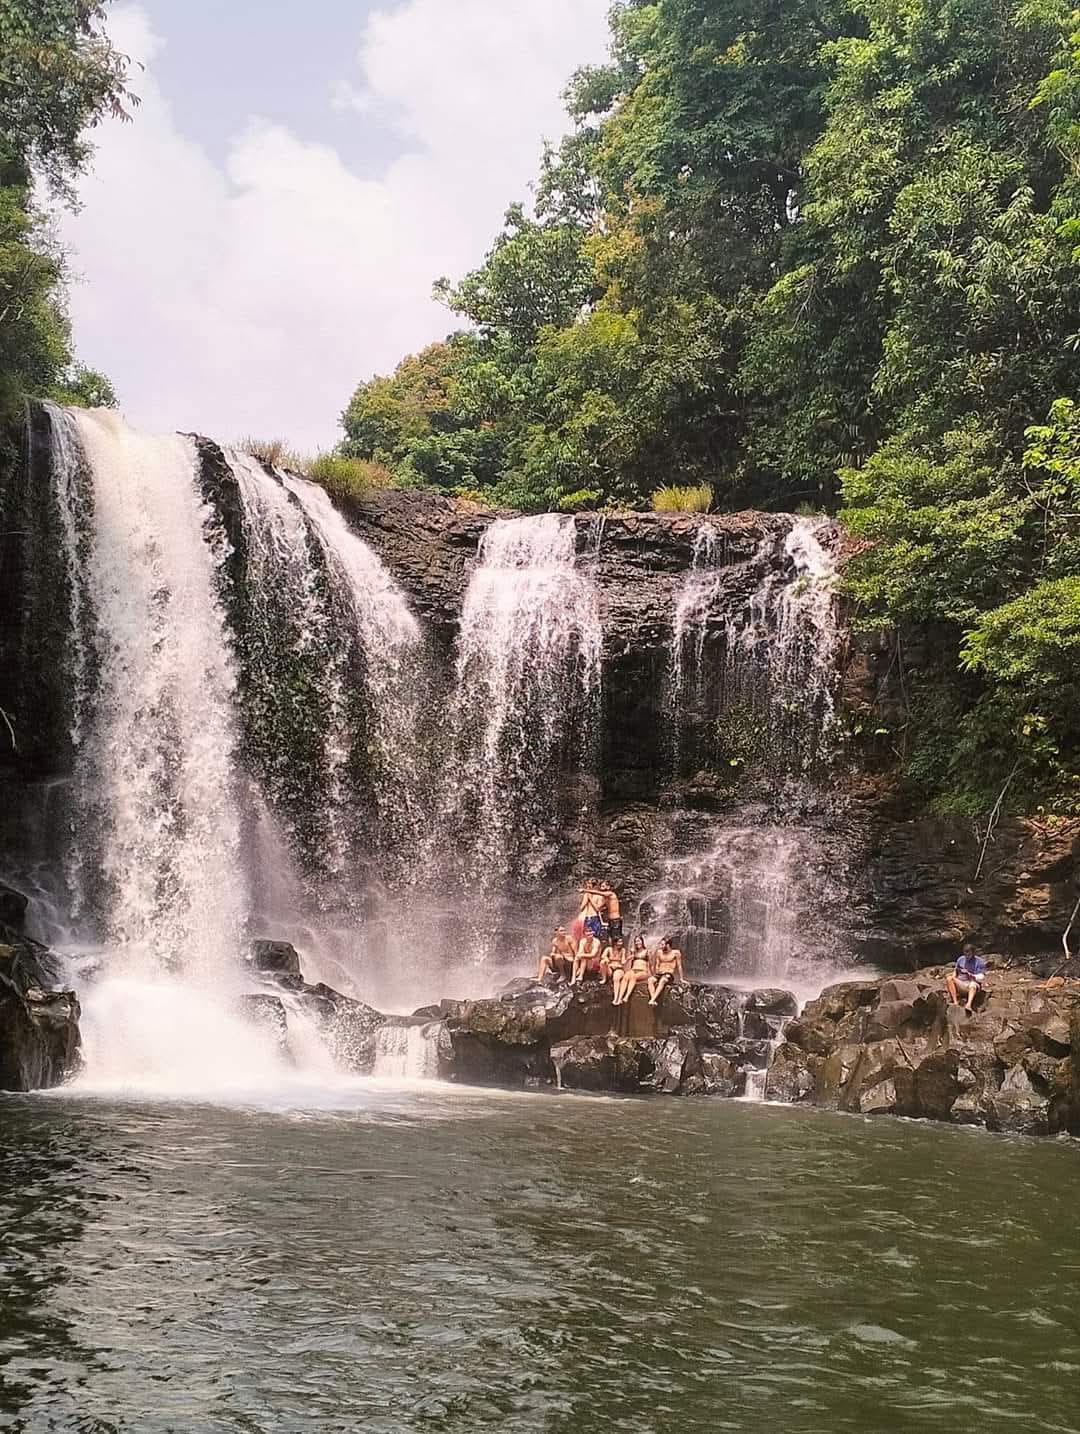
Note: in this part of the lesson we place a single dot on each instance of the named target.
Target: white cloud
(252, 298)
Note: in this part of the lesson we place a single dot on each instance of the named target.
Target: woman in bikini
(635, 972)
(613, 962)
(666, 967)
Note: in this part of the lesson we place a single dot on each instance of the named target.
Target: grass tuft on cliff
(342, 477)
(347, 477)
(697, 499)
(276, 453)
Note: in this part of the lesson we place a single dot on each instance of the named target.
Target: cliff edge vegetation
(821, 255)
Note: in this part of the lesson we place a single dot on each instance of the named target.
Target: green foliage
(821, 254)
(344, 477)
(682, 500)
(275, 453)
(58, 76)
(82, 387)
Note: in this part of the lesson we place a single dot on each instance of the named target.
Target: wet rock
(277, 960)
(268, 1013)
(674, 1059)
(791, 1075)
(602, 1063)
(40, 1045)
(349, 1027)
(12, 908)
(721, 1076)
(772, 1002)
(900, 1047)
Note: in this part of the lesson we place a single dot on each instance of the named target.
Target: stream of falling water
(527, 686)
(748, 904)
(155, 819)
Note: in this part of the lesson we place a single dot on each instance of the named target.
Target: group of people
(595, 949)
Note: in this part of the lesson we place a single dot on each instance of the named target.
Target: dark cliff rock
(898, 1047)
(924, 893)
(692, 1043)
(39, 1024)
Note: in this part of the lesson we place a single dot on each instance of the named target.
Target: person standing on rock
(667, 967)
(967, 978)
(614, 911)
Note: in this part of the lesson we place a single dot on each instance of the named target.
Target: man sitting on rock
(667, 967)
(587, 962)
(560, 958)
(967, 978)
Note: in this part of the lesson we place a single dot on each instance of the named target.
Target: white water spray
(155, 774)
(527, 685)
(407, 1052)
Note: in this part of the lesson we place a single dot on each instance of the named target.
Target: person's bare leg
(950, 982)
(971, 997)
(654, 989)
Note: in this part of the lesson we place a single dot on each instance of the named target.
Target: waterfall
(754, 671)
(766, 660)
(332, 658)
(392, 648)
(407, 1052)
(156, 809)
(783, 651)
(527, 688)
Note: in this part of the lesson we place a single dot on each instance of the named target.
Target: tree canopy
(59, 75)
(823, 253)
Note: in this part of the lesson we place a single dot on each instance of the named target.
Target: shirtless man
(588, 910)
(614, 910)
(667, 967)
(560, 958)
(587, 961)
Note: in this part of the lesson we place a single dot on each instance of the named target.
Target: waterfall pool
(431, 1258)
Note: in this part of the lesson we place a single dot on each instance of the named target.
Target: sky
(265, 233)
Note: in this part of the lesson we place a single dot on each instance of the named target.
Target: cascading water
(407, 1052)
(392, 648)
(527, 691)
(754, 677)
(155, 818)
(155, 777)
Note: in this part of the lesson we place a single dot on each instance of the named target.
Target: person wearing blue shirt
(967, 978)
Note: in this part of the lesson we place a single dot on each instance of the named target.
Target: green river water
(444, 1260)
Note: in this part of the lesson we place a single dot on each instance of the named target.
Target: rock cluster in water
(897, 1047)
(39, 1025)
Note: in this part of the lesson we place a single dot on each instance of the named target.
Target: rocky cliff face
(883, 883)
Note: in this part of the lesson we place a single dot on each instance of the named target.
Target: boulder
(40, 1044)
(12, 908)
(348, 1027)
(268, 1013)
(899, 1047)
(277, 960)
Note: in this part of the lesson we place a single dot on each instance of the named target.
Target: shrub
(276, 452)
(683, 500)
(347, 477)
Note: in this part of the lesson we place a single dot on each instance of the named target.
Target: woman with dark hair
(637, 970)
